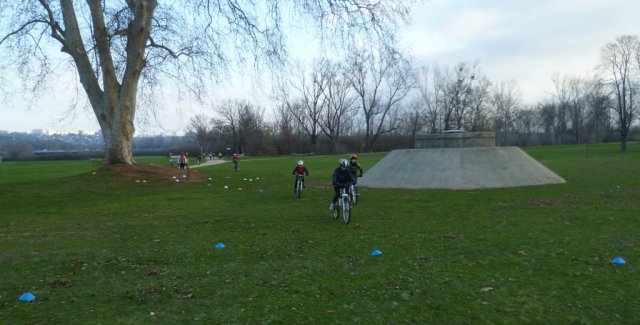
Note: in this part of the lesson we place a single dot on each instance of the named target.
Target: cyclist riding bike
(341, 177)
(299, 170)
(355, 168)
(236, 161)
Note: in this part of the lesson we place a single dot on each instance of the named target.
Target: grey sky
(525, 41)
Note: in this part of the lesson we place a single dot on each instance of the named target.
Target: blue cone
(27, 296)
(220, 246)
(376, 252)
(618, 260)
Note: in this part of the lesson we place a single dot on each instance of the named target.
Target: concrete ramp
(458, 168)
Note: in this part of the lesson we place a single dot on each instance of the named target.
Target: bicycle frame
(299, 180)
(353, 189)
(344, 202)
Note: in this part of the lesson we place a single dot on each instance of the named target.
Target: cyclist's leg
(336, 193)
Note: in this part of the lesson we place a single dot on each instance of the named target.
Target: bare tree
(284, 129)
(525, 125)
(570, 94)
(477, 115)
(229, 110)
(563, 102)
(461, 91)
(577, 96)
(252, 130)
(505, 99)
(339, 106)
(118, 48)
(413, 121)
(381, 82)
(427, 85)
(599, 104)
(619, 73)
(200, 130)
(305, 98)
(547, 114)
(245, 126)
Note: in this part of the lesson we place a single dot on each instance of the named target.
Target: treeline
(371, 101)
(379, 101)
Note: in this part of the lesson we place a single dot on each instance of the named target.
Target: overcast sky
(526, 41)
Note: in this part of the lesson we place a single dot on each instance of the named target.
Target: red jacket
(300, 170)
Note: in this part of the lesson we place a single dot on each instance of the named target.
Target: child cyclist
(341, 177)
(299, 170)
(236, 161)
(355, 168)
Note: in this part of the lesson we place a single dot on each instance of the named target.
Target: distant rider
(341, 177)
(299, 170)
(235, 160)
(182, 161)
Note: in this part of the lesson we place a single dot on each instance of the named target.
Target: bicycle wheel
(354, 194)
(336, 211)
(346, 210)
(299, 187)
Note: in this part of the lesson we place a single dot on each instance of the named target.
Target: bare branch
(173, 54)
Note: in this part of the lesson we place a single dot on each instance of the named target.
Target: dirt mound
(128, 173)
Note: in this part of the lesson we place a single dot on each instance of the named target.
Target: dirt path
(208, 163)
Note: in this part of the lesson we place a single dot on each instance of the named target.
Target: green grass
(94, 250)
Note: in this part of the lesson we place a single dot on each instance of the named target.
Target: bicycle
(235, 166)
(355, 196)
(343, 206)
(299, 182)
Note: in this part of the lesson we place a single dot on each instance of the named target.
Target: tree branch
(32, 22)
(56, 30)
(171, 52)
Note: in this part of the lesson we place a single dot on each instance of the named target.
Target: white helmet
(344, 162)
(300, 162)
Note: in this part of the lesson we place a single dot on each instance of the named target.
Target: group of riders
(346, 174)
(343, 176)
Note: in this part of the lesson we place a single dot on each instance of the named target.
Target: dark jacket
(355, 169)
(342, 176)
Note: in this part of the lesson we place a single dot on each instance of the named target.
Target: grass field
(95, 249)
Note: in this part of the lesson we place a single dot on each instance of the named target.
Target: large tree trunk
(118, 131)
(623, 142)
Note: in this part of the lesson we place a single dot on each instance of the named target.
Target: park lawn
(96, 249)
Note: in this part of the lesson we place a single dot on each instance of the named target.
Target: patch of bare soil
(128, 173)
